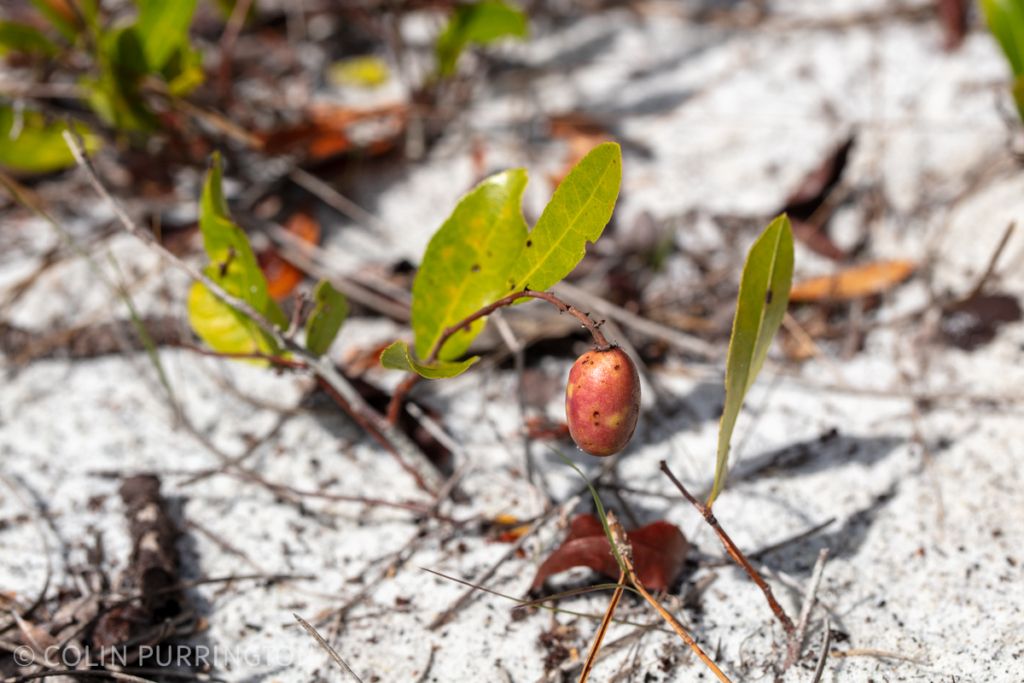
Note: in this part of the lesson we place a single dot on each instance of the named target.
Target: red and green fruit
(602, 401)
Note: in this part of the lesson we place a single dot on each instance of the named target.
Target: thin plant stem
(308, 627)
(594, 328)
(734, 552)
(601, 342)
(625, 557)
(796, 642)
(595, 647)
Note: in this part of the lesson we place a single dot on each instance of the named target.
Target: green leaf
(184, 71)
(17, 37)
(234, 267)
(398, 357)
(114, 93)
(760, 307)
(162, 27)
(1006, 21)
(479, 23)
(37, 146)
(324, 322)
(467, 262)
(578, 212)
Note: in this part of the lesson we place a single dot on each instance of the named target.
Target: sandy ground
(910, 445)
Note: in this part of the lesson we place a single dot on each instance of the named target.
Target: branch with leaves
(230, 310)
(484, 253)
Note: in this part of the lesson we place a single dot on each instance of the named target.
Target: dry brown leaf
(659, 552)
(853, 283)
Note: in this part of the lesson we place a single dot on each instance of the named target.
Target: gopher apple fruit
(602, 401)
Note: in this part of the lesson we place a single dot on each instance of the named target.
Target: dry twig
(624, 551)
(734, 552)
(796, 641)
(326, 646)
(826, 640)
(595, 646)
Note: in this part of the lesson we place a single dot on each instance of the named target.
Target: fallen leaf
(331, 130)
(509, 528)
(806, 206)
(659, 552)
(512, 535)
(282, 276)
(973, 322)
(582, 133)
(853, 283)
(817, 240)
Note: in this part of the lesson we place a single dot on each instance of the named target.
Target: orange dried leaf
(853, 283)
(513, 534)
(282, 276)
(329, 130)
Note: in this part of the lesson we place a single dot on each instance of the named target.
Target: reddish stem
(734, 552)
(600, 341)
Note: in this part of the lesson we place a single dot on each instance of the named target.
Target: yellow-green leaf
(479, 23)
(760, 307)
(398, 357)
(468, 261)
(30, 144)
(329, 312)
(577, 214)
(233, 266)
(184, 71)
(224, 329)
(364, 71)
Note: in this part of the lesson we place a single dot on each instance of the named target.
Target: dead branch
(734, 552)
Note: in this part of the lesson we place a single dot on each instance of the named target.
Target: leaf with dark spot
(659, 552)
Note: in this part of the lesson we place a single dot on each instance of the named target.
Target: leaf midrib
(461, 288)
(525, 279)
(732, 414)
